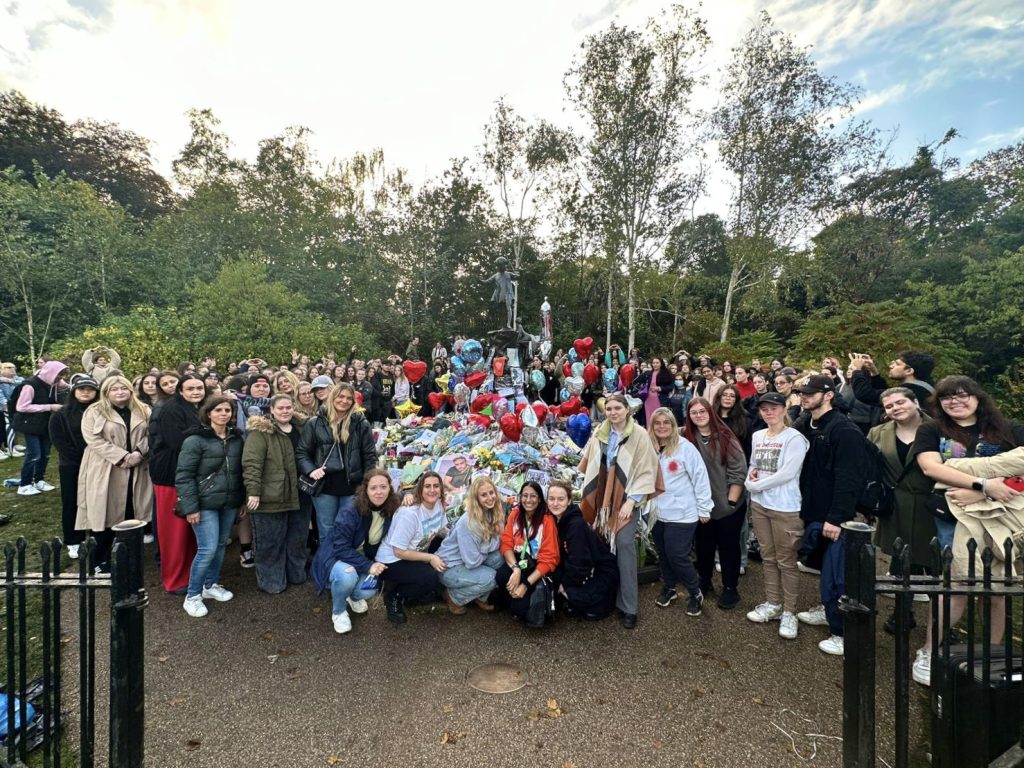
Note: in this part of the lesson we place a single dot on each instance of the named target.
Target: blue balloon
(611, 379)
(577, 369)
(578, 427)
(537, 379)
(573, 357)
(564, 395)
(457, 364)
(472, 351)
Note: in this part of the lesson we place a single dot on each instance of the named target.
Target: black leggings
(69, 503)
(500, 597)
(722, 535)
(411, 580)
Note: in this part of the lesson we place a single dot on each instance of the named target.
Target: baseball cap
(815, 384)
(82, 381)
(321, 382)
(771, 398)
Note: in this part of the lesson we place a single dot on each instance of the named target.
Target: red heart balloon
(437, 400)
(519, 408)
(510, 427)
(583, 347)
(626, 375)
(541, 410)
(566, 370)
(571, 406)
(414, 370)
(475, 379)
(480, 420)
(499, 365)
(481, 401)
(591, 373)
(359, 399)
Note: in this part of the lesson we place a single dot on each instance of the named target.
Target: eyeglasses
(958, 397)
(698, 412)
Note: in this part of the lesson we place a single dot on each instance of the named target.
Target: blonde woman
(306, 404)
(470, 552)
(286, 383)
(336, 446)
(113, 482)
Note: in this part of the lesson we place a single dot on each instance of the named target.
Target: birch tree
(634, 90)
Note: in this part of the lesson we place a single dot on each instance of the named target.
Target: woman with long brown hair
(727, 470)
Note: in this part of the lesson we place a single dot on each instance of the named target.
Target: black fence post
(127, 648)
(858, 605)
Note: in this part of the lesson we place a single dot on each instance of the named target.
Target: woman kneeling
(529, 547)
(470, 553)
(587, 577)
(344, 560)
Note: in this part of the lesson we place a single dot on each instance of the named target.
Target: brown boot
(483, 605)
(458, 610)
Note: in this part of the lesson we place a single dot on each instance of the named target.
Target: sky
(419, 79)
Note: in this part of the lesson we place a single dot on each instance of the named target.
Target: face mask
(680, 384)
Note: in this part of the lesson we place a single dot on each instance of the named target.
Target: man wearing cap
(830, 484)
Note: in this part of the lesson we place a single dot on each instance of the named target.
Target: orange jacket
(546, 552)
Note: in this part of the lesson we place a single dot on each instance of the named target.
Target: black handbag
(542, 605)
(204, 486)
(311, 487)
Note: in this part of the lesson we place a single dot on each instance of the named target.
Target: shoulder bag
(308, 485)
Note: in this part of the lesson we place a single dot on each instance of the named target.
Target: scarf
(635, 472)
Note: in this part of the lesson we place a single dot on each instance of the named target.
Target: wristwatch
(978, 485)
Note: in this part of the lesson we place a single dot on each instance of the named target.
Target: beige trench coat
(102, 486)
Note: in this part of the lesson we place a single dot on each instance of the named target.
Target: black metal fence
(127, 601)
(976, 689)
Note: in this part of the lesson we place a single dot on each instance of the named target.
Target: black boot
(396, 615)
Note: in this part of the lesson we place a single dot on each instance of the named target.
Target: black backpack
(12, 401)
(877, 497)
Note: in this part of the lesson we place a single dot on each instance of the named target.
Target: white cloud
(876, 99)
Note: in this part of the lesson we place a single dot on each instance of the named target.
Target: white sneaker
(832, 646)
(922, 669)
(342, 623)
(28, 490)
(148, 538)
(194, 607)
(765, 612)
(815, 617)
(788, 627)
(18, 451)
(357, 606)
(806, 568)
(218, 593)
(73, 551)
(42, 485)
(4, 455)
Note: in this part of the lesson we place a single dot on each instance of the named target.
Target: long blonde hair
(339, 427)
(673, 440)
(485, 524)
(291, 378)
(103, 405)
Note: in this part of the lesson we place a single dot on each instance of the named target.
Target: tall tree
(786, 134)
(518, 156)
(634, 89)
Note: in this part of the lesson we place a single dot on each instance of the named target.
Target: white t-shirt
(778, 460)
(411, 529)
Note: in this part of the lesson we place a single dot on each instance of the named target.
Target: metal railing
(127, 601)
(975, 686)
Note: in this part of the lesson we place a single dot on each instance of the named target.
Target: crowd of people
(717, 461)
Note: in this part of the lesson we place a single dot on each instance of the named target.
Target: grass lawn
(37, 519)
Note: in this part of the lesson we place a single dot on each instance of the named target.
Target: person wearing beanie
(66, 436)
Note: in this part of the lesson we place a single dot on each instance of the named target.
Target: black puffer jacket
(359, 453)
(170, 420)
(204, 455)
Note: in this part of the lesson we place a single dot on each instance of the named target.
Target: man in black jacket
(910, 369)
(830, 485)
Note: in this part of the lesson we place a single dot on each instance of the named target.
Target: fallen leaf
(272, 658)
(658, 743)
(177, 701)
(193, 744)
(552, 704)
(448, 709)
(268, 635)
(333, 760)
(568, 764)
(162, 659)
(284, 653)
(449, 737)
(294, 674)
(696, 693)
(669, 663)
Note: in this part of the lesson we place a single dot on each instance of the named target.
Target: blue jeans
(327, 508)
(944, 532)
(346, 583)
(211, 536)
(674, 543)
(467, 584)
(833, 583)
(37, 454)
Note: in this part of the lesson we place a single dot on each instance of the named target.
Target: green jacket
(204, 455)
(268, 466)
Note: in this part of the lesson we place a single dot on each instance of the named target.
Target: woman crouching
(470, 553)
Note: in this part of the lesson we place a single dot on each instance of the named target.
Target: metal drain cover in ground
(496, 678)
